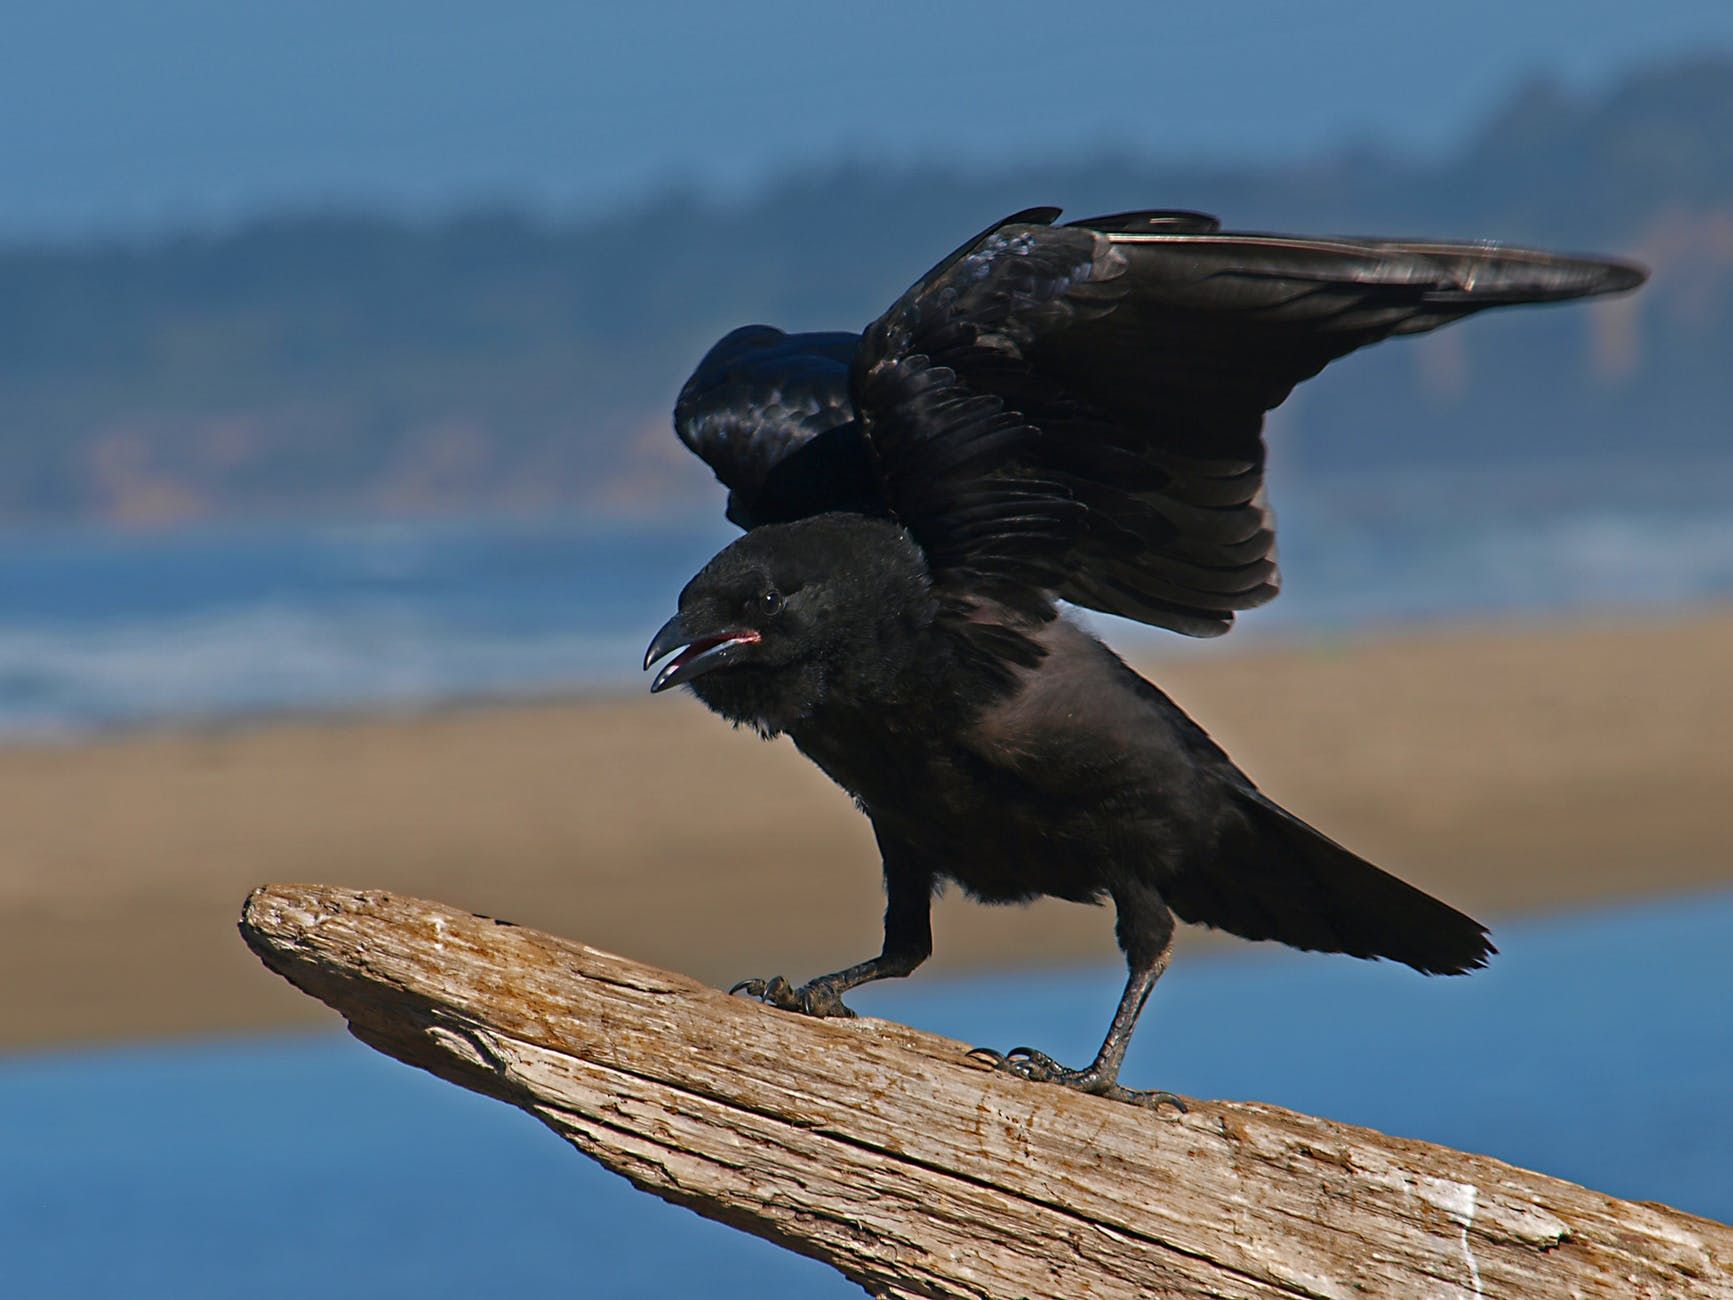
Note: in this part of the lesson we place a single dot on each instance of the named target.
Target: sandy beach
(1507, 769)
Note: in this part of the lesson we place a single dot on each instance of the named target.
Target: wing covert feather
(770, 414)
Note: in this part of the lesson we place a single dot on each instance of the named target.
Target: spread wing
(1076, 412)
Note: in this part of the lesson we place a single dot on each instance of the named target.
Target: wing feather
(1128, 363)
(1076, 412)
(770, 414)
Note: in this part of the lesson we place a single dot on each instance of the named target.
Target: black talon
(1155, 1099)
(815, 998)
(1151, 1099)
(773, 992)
(1035, 1066)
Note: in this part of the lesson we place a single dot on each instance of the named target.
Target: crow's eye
(771, 602)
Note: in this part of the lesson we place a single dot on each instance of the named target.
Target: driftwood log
(915, 1171)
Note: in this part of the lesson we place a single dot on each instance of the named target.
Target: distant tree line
(341, 364)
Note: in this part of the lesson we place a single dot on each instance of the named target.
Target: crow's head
(790, 613)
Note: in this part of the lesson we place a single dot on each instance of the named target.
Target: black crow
(1053, 413)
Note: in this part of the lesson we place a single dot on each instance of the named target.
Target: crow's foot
(1038, 1067)
(817, 998)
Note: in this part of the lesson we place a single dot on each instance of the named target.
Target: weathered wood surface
(890, 1155)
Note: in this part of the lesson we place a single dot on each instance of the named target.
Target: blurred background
(339, 496)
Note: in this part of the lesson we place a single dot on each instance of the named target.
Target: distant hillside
(344, 364)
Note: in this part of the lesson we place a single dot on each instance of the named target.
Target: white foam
(197, 627)
(61, 680)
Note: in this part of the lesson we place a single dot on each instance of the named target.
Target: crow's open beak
(697, 654)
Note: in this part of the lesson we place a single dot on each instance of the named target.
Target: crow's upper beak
(697, 654)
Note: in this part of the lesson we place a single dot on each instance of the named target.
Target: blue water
(1598, 1048)
(104, 629)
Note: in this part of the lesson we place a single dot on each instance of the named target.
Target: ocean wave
(98, 631)
(1427, 569)
(59, 681)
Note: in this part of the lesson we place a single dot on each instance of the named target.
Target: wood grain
(890, 1155)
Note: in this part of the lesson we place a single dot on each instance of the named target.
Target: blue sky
(122, 117)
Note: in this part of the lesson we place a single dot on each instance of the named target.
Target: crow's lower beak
(697, 654)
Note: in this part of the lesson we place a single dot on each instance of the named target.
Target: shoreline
(1509, 769)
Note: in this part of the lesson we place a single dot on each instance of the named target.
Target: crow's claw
(1038, 1067)
(1153, 1098)
(817, 998)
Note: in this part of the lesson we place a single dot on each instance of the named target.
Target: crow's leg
(908, 943)
(1145, 930)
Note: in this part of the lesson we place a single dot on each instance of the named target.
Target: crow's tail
(1274, 877)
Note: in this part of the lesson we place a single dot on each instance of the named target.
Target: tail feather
(1274, 877)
